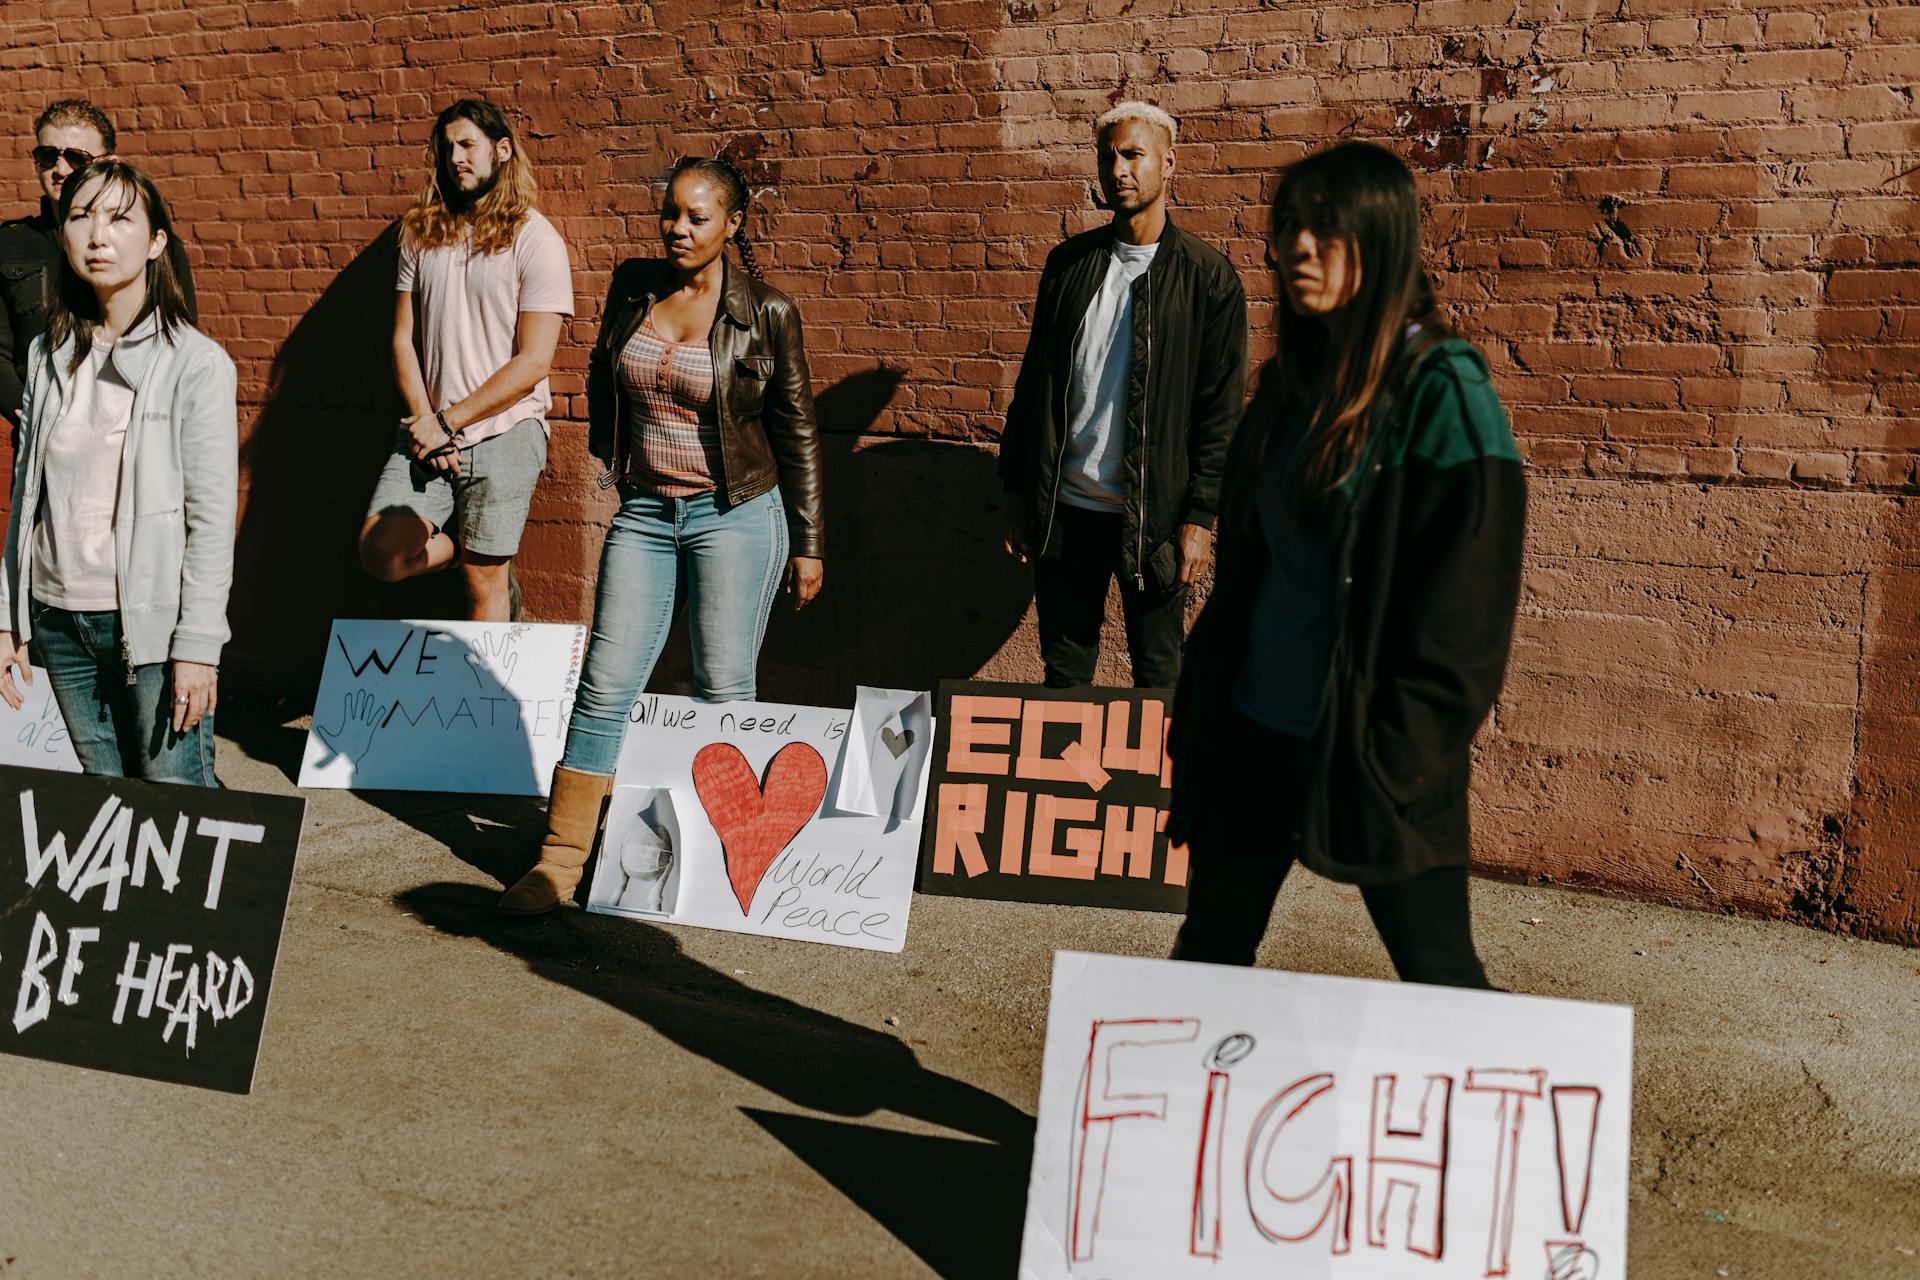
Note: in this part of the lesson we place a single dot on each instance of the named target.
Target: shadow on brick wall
(917, 586)
(310, 462)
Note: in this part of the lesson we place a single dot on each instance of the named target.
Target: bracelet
(440, 416)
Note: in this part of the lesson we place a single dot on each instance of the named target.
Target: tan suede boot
(573, 816)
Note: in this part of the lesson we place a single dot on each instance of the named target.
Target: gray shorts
(485, 506)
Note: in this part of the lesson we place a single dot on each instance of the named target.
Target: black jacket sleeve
(17, 245)
(10, 385)
(1029, 388)
(1454, 596)
(1219, 396)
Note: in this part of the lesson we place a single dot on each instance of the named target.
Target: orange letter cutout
(1084, 841)
(960, 816)
(1176, 854)
(1013, 833)
(1068, 767)
(1145, 758)
(1133, 843)
(968, 735)
(1166, 761)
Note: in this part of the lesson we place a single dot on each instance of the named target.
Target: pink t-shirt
(467, 306)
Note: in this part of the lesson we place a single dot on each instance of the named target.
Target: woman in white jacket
(119, 550)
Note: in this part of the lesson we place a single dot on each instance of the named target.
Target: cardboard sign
(139, 923)
(35, 737)
(721, 819)
(475, 707)
(1207, 1121)
(1052, 795)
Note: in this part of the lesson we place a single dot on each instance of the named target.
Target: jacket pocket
(1163, 567)
(154, 564)
(1406, 775)
(750, 376)
(26, 284)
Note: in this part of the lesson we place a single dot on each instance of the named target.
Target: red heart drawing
(755, 821)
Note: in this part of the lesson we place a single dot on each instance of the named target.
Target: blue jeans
(121, 727)
(728, 565)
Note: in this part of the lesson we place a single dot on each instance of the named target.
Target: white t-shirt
(467, 306)
(1097, 391)
(73, 557)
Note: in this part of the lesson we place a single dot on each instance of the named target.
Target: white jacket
(173, 525)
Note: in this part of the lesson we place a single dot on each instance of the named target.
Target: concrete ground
(439, 1094)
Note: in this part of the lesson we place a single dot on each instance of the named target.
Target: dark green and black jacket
(1427, 583)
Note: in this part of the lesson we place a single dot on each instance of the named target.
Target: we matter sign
(472, 707)
(139, 923)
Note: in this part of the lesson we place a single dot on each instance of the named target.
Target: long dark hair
(1336, 372)
(441, 214)
(76, 307)
(733, 188)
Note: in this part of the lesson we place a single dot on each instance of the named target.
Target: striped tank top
(673, 428)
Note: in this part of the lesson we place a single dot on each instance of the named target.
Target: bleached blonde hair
(1137, 111)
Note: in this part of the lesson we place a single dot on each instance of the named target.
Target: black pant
(1240, 853)
(1070, 580)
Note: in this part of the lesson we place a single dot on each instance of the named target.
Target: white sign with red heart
(725, 805)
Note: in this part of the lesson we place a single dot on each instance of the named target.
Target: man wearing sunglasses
(68, 136)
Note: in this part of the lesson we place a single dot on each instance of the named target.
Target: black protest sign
(1051, 795)
(139, 923)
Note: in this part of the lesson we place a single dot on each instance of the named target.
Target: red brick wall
(1684, 232)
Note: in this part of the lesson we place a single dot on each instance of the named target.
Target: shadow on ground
(496, 835)
(823, 1063)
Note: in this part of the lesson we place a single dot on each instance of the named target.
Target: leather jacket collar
(736, 296)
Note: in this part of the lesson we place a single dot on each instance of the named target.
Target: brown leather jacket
(762, 391)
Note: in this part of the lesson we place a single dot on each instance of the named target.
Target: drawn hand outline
(503, 650)
(363, 717)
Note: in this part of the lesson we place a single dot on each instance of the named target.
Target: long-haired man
(482, 290)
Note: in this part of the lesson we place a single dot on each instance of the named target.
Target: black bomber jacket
(1186, 387)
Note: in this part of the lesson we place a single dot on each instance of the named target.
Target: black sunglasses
(47, 157)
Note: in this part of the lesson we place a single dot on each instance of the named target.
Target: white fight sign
(1208, 1121)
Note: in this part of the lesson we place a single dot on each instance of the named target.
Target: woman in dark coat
(1368, 577)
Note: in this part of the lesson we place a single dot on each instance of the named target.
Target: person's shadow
(906, 518)
(325, 428)
(813, 1060)
(917, 588)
